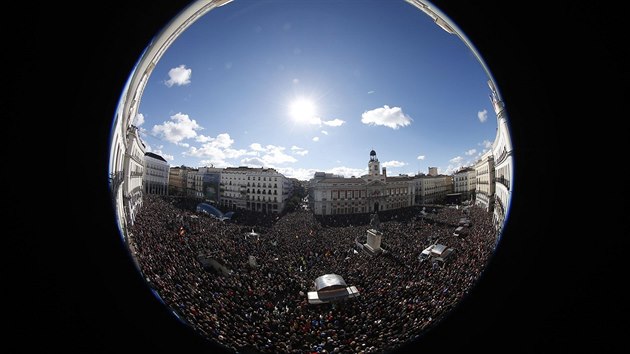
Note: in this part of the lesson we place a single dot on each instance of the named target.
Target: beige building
(177, 180)
(465, 182)
(484, 190)
(431, 188)
(257, 189)
(332, 195)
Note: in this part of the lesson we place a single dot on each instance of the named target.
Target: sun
(302, 110)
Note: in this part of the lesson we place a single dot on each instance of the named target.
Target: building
(375, 191)
(503, 161)
(192, 179)
(133, 163)
(155, 174)
(464, 183)
(484, 190)
(203, 183)
(257, 189)
(177, 180)
(123, 146)
(432, 188)
(233, 187)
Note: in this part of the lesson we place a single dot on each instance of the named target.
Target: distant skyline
(306, 86)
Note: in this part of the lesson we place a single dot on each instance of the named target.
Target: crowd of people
(263, 306)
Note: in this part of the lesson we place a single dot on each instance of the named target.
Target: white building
(258, 189)
(156, 172)
(234, 188)
(332, 195)
(484, 190)
(464, 182)
(431, 188)
(123, 146)
(503, 161)
(133, 163)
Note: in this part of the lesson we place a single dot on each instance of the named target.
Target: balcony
(504, 181)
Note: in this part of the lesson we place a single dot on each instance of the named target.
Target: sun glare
(302, 110)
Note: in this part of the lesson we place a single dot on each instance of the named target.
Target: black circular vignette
(526, 301)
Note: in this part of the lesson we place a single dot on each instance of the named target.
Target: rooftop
(155, 156)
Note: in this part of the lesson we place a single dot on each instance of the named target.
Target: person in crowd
(264, 307)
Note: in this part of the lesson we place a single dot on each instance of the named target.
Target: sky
(305, 86)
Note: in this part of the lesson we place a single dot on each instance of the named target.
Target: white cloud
(219, 152)
(180, 127)
(203, 139)
(421, 157)
(139, 120)
(316, 138)
(371, 92)
(222, 140)
(348, 171)
(179, 76)
(324, 132)
(470, 152)
(253, 161)
(334, 123)
(166, 157)
(158, 151)
(303, 174)
(308, 173)
(221, 164)
(482, 115)
(216, 150)
(456, 160)
(455, 164)
(392, 117)
(268, 156)
(256, 147)
(298, 150)
(314, 120)
(394, 163)
(486, 143)
(186, 145)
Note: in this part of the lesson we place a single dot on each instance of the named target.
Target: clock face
(241, 185)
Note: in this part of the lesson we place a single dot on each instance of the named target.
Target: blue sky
(305, 86)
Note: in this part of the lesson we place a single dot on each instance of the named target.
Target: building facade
(177, 180)
(233, 188)
(503, 161)
(465, 182)
(257, 189)
(155, 174)
(484, 190)
(133, 173)
(203, 183)
(431, 189)
(375, 191)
